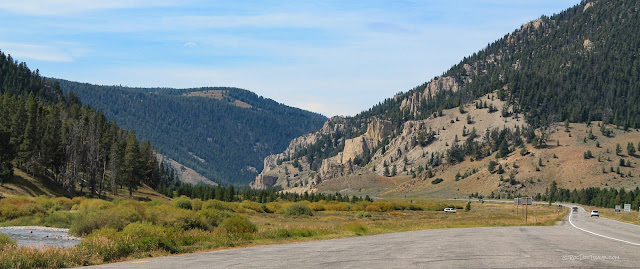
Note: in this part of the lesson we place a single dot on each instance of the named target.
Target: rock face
(588, 45)
(356, 147)
(415, 101)
(535, 24)
(403, 153)
(587, 6)
(274, 169)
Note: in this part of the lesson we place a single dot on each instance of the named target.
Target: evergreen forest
(224, 142)
(53, 136)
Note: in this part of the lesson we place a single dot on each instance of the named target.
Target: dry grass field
(126, 229)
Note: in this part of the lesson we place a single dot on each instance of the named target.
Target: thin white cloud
(190, 44)
(65, 7)
(36, 52)
(269, 20)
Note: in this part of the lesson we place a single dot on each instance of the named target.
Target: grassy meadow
(126, 229)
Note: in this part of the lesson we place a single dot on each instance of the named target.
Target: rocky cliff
(391, 151)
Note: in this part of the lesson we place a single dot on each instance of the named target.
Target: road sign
(617, 208)
(523, 201)
(627, 207)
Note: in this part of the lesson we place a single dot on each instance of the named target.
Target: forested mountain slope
(52, 136)
(581, 65)
(222, 133)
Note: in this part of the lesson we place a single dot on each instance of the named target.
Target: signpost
(627, 207)
(617, 208)
(526, 201)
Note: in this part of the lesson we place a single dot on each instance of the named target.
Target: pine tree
(115, 165)
(26, 150)
(6, 156)
(131, 162)
(631, 150)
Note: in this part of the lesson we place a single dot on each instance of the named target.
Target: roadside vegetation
(126, 229)
(632, 217)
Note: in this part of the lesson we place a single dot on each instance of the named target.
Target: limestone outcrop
(275, 169)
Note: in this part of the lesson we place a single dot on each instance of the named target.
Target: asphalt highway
(579, 241)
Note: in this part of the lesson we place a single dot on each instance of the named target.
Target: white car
(449, 210)
(595, 213)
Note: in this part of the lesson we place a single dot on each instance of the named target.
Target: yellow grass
(126, 229)
(632, 217)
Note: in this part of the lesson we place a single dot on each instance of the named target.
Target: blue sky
(331, 57)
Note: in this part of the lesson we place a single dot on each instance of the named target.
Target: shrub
(15, 207)
(316, 206)
(45, 202)
(217, 204)
(238, 225)
(10, 211)
(59, 219)
(379, 206)
(373, 208)
(64, 203)
(246, 204)
(298, 209)
(182, 202)
(116, 217)
(273, 207)
(147, 237)
(145, 229)
(265, 209)
(214, 217)
(362, 214)
(196, 204)
(93, 204)
(436, 181)
(335, 206)
(183, 219)
(6, 241)
(106, 245)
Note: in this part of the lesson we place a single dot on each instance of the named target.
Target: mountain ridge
(223, 136)
(550, 70)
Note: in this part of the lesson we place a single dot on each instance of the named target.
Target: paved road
(577, 242)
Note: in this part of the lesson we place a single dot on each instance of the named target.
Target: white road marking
(616, 239)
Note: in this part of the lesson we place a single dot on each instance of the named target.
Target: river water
(38, 236)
